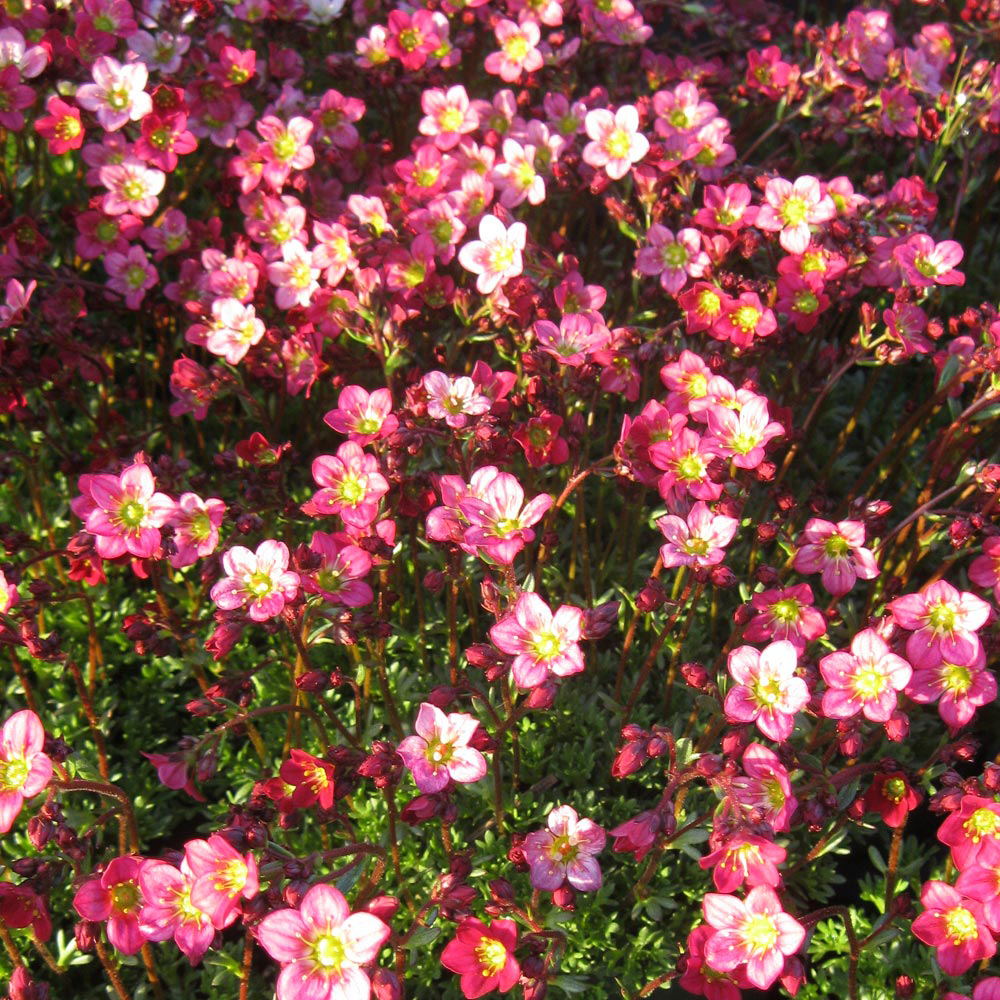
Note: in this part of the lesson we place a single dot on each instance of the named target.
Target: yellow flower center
(618, 144)
(960, 925)
(760, 933)
(328, 952)
(982, 823)
(492, 956)
(125, 897)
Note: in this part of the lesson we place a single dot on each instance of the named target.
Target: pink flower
(338, 578)
(518, 50)
(700, 979)
(196, 528)
(864, 680)
(616, 142)
(169, 912)
(756, 932)
(926, 263)
(497, 523)
(483, 955)
(985, 569)
(25, 770)
(496, 256)
(221, 876)
(117, 94)
(955, 926)
(440, 751)
(785, 614)
(453, 399)
(322, 947)
(540, 640)
(698, 541)
(573, 340)
(943, 623)
(765, 791)
(743, 320)
(132, 187)
(8, 594)
(258, 581)
(837, 551)
(970, 829)
(131, 275)
(115, 896)
(791, 208)
(673, 258)
(61, 128)
(124, 512)
(637, 835)
(766, 691)
(743, 435)
(958, 688)
(232, 331)
(351, 486)
(565, 852)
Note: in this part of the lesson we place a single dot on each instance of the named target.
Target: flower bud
(386, 985)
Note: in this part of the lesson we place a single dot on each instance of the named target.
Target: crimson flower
(483, 955)
(955, 926)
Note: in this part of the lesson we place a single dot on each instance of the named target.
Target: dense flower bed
(499, 497)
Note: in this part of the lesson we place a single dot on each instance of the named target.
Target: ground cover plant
(499, 497)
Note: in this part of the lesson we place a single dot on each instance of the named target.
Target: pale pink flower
(616, 142)
(115, 896)
(943, 623)
(742, 436)
(573, 340)
(295, 275)
(285, 148)
(440, 751)
(497, 523)
(496, 256)
(787, 613)
(517, 177)
(117, 95)
(541, 641)
(258, 581)
(196, 528)
(698, 540)
(837, 552)
(453, 400)
(220, 877)
(755, 931)
(29, 60)
(322, 947)
(864, 680)
(518, 50)
(565, 852)
(9, 595)
(767, 691)
(926, 263)
(364, 417)
(448, 115)
(233, 330)
(673, 258)
(790, 209)
(16, 298)
(125, 512)
(25, 769)
(132, 187)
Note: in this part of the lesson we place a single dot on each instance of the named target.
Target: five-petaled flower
(565, 852)
(483, 955)
(440, 751)
(955, 925)
(258, 581)
(766, 691)
(25, 769)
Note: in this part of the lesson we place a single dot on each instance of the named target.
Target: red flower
(892, 797)
(483, 956)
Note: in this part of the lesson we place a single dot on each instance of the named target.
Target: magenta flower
(258, 581)
(926, 263)
(541, 642)
(955, 926)
(701, 980)
(496, 256)
(61, 128)
(364, 417)
(339, 576)
(785, 614)
(351, 485)
(115, 896)
(9, 595)
(169, 912)
(864, 680)
(220, 877)
(483, 955)
(755, 932)
(440, 751)
(565, 852)
(131, 275)
(745, 857)
(790, 209)
(616, 142)
(765, 789)
(700, 540)
(985, 569)
(132, 187)
(958, 688)
(25, 770)
(573, 340)
(837, 551)
(766, 691)
(125, 512)
(322, 946)
(943, 623)
(497, 522)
